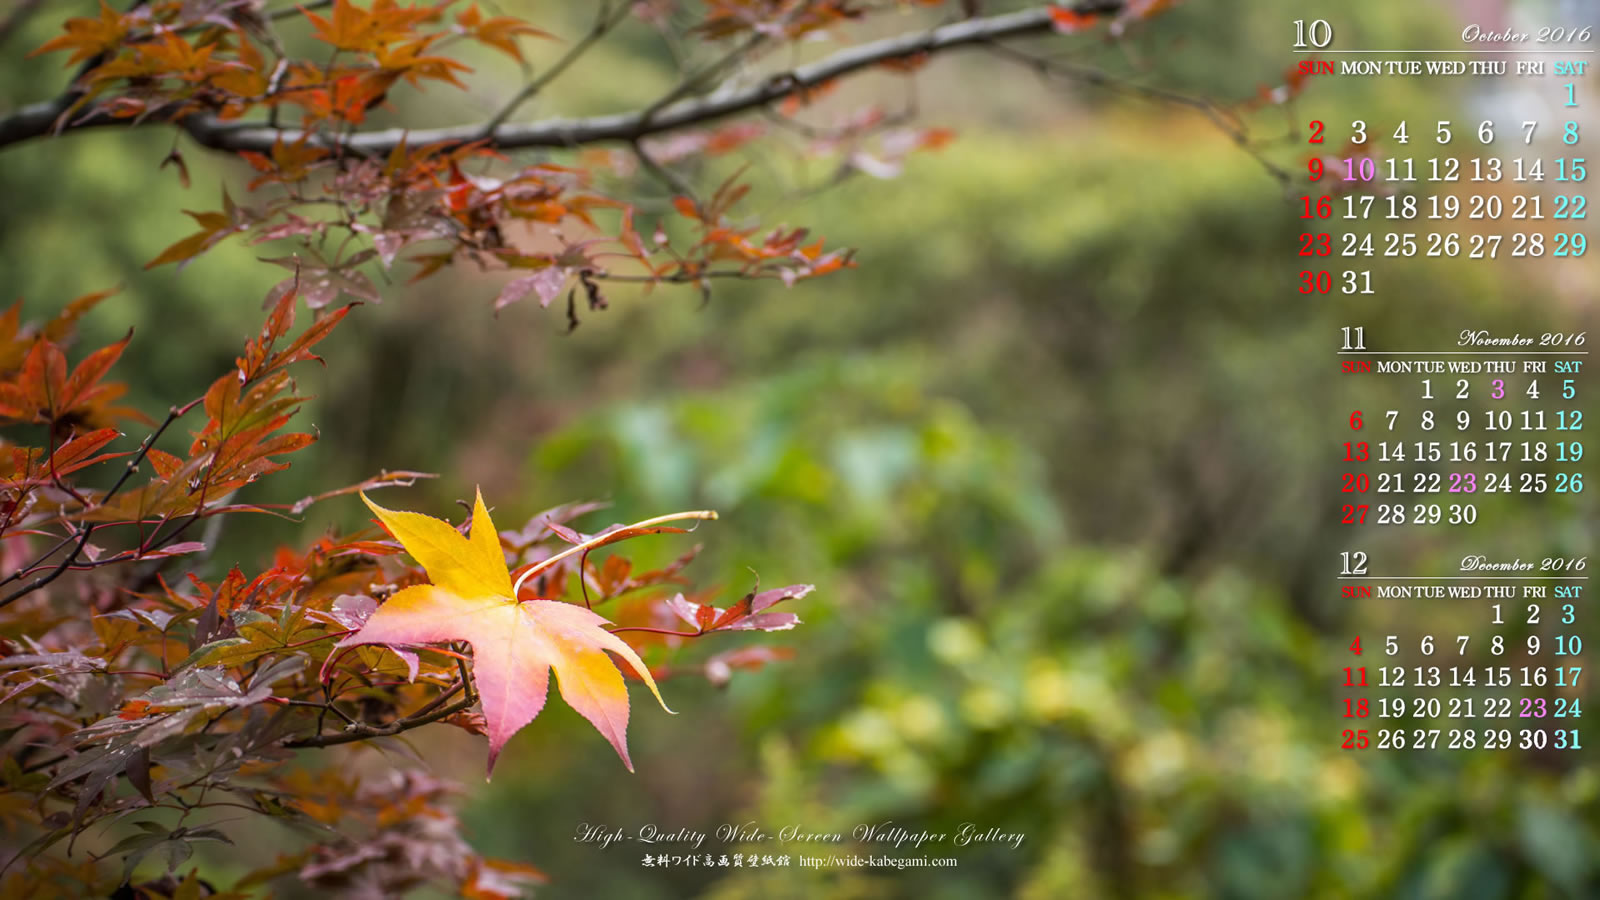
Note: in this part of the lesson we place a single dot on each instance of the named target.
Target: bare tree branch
(39, 119)
(1225, 121)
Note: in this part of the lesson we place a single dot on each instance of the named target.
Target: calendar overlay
(1442, 430)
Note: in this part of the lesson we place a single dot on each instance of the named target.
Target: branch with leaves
(246, 409)
(671, 114)
(343, 642)
(218, 72)
(209, 684)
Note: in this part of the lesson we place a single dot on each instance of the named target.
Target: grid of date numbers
(1478, 426)
(1514, 679)
(1487, 194)
(1455, 428)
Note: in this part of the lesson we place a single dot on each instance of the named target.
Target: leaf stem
(466, 678)
(601, 540)
(668, 631)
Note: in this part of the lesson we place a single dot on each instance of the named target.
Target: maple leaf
(87, 37)
(497, 31)
(746, 615)
(366, 31)
(514, 644)
(214, 226)
(44, 392)
(546, 282)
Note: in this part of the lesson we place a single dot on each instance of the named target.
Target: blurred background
(1061, 457)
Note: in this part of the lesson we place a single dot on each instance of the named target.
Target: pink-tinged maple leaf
(546, 282)
(514, 644)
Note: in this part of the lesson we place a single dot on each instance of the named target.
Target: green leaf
(214, 653)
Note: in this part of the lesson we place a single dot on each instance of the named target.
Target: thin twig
(19, 15)
(87, 530)
(667, 631)
(607, 19)
(674, 182)
(674, 278)
(286, 701)
(600, 540)
(466, 678)
(1222, 119)
(435, 703)
(372, 731)
(290, 12)
(695, 80)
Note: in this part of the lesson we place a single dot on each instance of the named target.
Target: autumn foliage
(178, 61)
(132, 684)
(143, 692)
